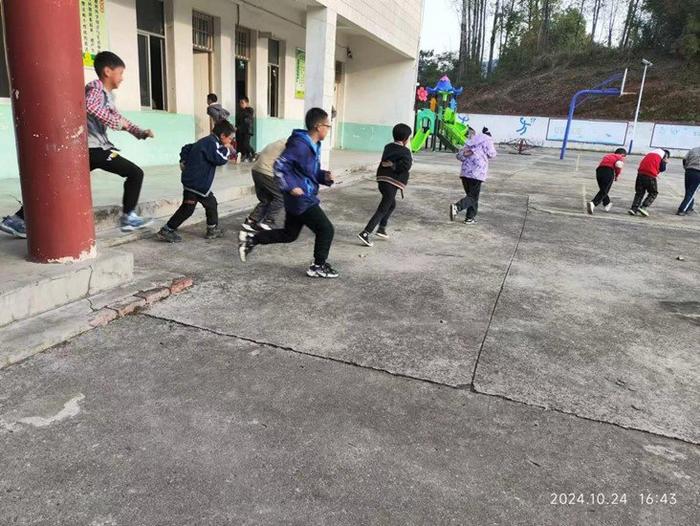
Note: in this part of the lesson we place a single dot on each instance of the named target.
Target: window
(242, 43)
(150, 21)
(273, 77)
(4, 77)
(202, 32)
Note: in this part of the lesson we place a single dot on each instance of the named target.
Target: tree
(496, 17)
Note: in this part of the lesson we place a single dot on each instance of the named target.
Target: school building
(355, 58)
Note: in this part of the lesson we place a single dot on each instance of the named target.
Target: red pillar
(48, 102)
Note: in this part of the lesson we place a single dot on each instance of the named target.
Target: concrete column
(320, 63)
(180, 58)
(259, 75)
(48, 103)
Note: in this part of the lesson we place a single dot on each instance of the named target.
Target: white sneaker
(590, 207)
(608, 207)
(453, 212)
(131, 221)
(643, 211)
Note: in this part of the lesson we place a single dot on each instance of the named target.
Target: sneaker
(607, 207)
(364, 237)
(15, 226)
(453, 212)
(643, 211)
(246, 244)
(169, 235)
(239, 155)
(322, 271)
(214, 232)
(590, 207)
(264, 226)
(381, 232)
(470, 221)
(632, 212)
(250, 225)
(131, 221)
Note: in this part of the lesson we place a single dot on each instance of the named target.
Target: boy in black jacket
(198, 162)
(392, 175)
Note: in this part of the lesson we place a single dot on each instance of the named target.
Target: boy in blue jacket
(299, 174)
(198, 162)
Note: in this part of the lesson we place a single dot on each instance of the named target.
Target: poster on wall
(591, 132)
(93, 29)
(675, 136)
(300, 74)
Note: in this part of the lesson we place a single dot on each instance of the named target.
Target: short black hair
(485, 131)
(668, 154)
(621, 151)
(401, 132)
(243, 98)
(212, 98)
(224, 128)
(314, 117)
(107, 59)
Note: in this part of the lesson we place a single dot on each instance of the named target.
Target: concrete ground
(453, 375)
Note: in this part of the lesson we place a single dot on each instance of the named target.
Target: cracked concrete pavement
(452, 375)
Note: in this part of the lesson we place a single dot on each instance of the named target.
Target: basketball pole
(639, 104)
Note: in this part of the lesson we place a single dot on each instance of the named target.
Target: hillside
(671, 92)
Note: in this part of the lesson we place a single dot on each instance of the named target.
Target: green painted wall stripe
(365, 137)
(173, 130)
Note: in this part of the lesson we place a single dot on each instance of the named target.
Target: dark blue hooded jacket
(199, 162)
(299, 166)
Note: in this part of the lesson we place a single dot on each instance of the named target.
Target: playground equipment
(521, 146)
(439, 125)
(425, 124)
(602, 89)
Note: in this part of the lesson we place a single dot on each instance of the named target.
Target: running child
(475, 164)
(198, 162)
(392, 176)
(299, 174)
(266, 213)
(649, 169)
(691, 164)
(103, 114)
(215, 110)
(608, 171)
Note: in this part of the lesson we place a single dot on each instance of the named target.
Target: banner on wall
(300, 74)
(93, 28)
(591, 132)
(675, 136)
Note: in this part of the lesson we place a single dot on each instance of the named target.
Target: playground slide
(456, 133)
(418, 141)
(447, 143)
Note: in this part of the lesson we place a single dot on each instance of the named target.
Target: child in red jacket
(608, 171)
(649, 169)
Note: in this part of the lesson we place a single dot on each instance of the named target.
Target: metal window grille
(202, 32)
(243, 43)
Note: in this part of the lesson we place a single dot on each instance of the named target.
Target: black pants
(244, 147)
(645, 184)
(605, 177)
(270, 197)
(692, 183)
(111, 161)
(470, 203)
(385, 208)
(189, 203)
(318, 223)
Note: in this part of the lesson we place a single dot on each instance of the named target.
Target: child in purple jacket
(475, 164)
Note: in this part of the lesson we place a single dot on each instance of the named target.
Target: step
(28, 289)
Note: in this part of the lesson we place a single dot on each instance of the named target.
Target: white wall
(506, 128)
(380, 84)
(121, 36)
(394, 22)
